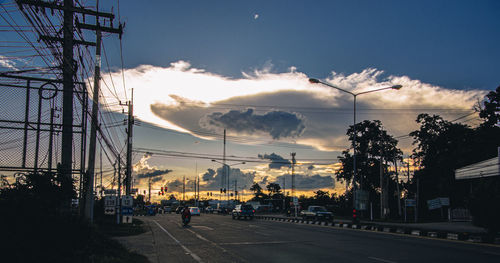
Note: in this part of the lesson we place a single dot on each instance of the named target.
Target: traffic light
(159, 193)
(208, 194)
(236, 193)
(354, 215)
(224, 190)
(231, 194)
(221, 190)
(162, 188)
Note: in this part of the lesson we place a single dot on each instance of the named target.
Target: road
(217, 238)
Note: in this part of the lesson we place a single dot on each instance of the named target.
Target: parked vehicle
(195, 211)
(245, 211)
(317, 213)
(167, 209)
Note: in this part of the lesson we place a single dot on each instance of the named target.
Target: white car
(195, 211)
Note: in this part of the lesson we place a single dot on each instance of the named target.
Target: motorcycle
(186, 220)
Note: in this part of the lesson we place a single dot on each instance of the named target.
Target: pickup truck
(317, 213)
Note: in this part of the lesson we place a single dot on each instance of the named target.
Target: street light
(355, 95)
(228, 173)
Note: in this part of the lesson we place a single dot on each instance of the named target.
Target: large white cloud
(180, 96)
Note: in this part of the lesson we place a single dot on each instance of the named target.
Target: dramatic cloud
(142, 170)
(154, 173)
(278, 124)
(174, 186)
(310, 182)
(277, 162)
(211, 180)
(267, 105)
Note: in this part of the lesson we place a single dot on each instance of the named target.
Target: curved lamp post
(355, 95)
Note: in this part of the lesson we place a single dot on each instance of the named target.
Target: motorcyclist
(186, 214)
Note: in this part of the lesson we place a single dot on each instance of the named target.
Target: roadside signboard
(110, 192)
(438, 202)
(109, 210)
(434, 204)
(295, 201)
(410, 202)
(445, 201)
(127, 211)
(362, 197)
(110, 201)
(127, 200)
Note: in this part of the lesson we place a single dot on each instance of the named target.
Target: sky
(199, 67)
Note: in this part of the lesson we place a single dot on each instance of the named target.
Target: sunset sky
(197, 67)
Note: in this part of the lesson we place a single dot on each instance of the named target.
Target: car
(195, 211)
(245, 210)
(167, 209)
(317, 213)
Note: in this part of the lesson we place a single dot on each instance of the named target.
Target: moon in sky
(255, 16)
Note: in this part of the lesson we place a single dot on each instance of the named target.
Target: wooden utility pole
(89, 182)
(128, 175)
(293, 181)
(68, 70)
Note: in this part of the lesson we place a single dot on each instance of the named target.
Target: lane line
(382, 260)
(206, 240)
(203, 227)
(193, 255)
(259, 243)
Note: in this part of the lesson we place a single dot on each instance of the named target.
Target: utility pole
(68, 70)
(89, 182)
(130, 129)
(293, 181)
(397, 187)
(149, 190)
(381, 188)
(183, 188)
(119, 212)
(68, 86)
(226, 175)
(51, 136)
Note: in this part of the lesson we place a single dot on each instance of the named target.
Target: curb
(466, 237)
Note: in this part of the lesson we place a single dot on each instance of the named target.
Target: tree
(256, 188)
(273, 189)
(373, 144)
(258, 194)
(490, 111)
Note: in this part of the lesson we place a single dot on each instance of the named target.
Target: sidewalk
(142, 244)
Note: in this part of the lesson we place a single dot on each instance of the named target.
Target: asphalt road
(216, 238)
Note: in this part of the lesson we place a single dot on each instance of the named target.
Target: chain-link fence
(31, 125)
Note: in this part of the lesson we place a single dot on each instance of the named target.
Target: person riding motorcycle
(186, 215)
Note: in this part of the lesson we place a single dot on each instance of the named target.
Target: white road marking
(381, 260)
(206, 240)
(257, 243)
(203, 227)
(193, 255)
